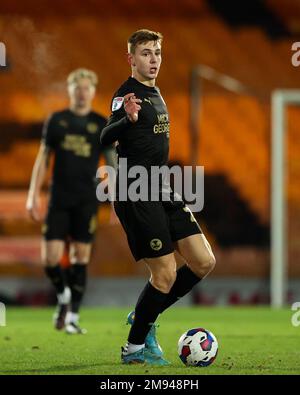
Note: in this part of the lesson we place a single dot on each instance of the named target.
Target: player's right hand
(132, 107)
(33, 208)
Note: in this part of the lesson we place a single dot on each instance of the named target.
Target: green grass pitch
(251, 341)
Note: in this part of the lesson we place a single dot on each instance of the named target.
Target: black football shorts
(76, 221)
(152, 227)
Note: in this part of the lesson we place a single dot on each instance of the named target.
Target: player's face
(146, 60)
(82, 93)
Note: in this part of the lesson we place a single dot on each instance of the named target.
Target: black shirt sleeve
(110, 156)
(113, 130)
(117, 122)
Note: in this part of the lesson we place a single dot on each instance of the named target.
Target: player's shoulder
(54, 121)
(125, 88)
(156, 88)
(56, 116)
(128, 86)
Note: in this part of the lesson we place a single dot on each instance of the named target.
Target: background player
(140, 123)
(73, 136)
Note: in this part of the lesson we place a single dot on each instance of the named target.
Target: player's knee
(80, 254)
(209, 263)
(52, 259)
(205, 265)
(164, 281)
(80, 258)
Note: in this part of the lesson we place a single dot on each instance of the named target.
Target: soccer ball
(197, 347)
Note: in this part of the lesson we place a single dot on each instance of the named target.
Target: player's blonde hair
(142, 36)
(77, 74)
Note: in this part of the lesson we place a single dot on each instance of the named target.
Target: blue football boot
(151, 343)
(142, 357)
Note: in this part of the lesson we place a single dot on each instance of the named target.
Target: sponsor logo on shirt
(77, 144)
(163, 125)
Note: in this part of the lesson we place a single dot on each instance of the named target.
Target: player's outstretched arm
(110, 156)
(115, 127)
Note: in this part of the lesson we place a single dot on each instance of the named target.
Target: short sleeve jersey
(75, 141)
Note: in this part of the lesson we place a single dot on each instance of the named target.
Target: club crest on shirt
(117, 103)
(63, 123)
(92, 127)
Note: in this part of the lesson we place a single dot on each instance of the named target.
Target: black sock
(147, 310)
(184, 282)
(77, 284)
(67, 273)
(54, 273)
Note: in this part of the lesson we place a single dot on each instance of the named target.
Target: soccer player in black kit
(72, 135)
(140, 124)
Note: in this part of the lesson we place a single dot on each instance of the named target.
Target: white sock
(72, 317)
(131, 348)
(64, 297)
